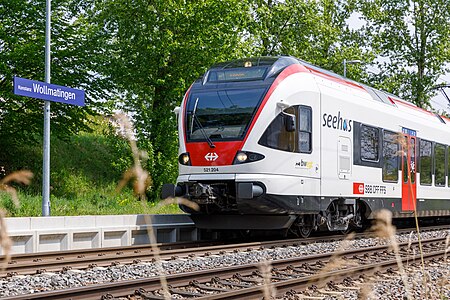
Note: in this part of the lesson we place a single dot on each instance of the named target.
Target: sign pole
(47, 92)
(46, 148)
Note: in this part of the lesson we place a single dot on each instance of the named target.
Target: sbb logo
(211, 156)
(358, 188)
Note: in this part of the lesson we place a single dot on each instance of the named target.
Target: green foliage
(85, 172)
(315, 31)
(140, 57)
(79, 164)
(101, 202)
(74, 61)
(412, 39)
(157, 50)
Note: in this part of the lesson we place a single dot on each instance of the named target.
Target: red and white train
(277, 143)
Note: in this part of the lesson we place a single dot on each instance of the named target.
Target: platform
(40, 234)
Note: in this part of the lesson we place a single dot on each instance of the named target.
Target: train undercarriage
(247, 207)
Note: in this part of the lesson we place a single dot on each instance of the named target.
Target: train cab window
(277, 136)
(390, 156)
(425, 162)
(305, 129)
(439, 165)
(369, 143)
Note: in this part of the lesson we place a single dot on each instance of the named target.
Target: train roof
(263, 68)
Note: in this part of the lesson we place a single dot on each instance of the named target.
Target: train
(276, 143)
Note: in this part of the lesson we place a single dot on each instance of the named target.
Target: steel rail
(126, 288)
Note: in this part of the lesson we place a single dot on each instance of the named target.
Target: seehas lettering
(337, 122)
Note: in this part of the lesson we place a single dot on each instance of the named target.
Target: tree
(74, 60)
(157, 49)
(315, 31)
(411, 38)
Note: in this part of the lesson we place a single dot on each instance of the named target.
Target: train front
(215, 120)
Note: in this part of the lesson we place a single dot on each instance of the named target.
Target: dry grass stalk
(405, 149)
(23, 177)
(445, 280)
(179, 201)
(5, 241)
(409, 247)
(383, 228)
(142, 181)
(447, 248)
(269, 290)
(336, 261)
(366, 291)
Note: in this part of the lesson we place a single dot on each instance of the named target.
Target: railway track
(244, 281)
(35, 263)
(32, 263)
(213, 283)
(24, 264)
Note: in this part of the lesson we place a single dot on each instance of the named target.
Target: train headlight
(184, 159)
(243, 157)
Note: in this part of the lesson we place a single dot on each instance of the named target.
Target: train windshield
(221, 115)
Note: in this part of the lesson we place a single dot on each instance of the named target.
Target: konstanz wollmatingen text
(45, 90)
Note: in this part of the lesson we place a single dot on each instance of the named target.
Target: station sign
(48, 92)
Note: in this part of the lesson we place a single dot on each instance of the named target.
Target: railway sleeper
(227, 283)
(146, 295)
(184, 293)
(259, 274)
(205, 287)
(301, 270)
(286, 274)
(247, 279)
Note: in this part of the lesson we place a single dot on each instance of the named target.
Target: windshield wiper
(202, 130)
(193, 115)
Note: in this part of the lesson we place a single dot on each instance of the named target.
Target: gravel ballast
(17, 285)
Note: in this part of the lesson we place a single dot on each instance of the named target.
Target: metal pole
(357, 61)
(46, 148)
(345, 67)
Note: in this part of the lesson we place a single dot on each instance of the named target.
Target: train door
(409, 163)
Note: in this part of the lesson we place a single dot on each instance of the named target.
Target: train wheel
(305, 231)
(347, 231)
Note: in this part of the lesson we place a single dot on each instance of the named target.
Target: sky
(440, 102)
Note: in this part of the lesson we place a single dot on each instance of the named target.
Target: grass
(85, 171)
(91, 204)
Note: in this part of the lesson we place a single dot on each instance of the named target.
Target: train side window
(390, 156)
(277, 137)
(439, 165)
(425, 162)
(305, 129)
(448, 165)
(369, 143)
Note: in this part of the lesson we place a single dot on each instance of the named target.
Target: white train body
(319, 149)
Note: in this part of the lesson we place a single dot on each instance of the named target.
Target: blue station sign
(47, 91)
